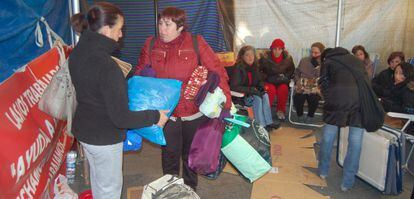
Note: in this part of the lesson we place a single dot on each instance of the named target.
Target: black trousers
(299, 101)
(179, 136)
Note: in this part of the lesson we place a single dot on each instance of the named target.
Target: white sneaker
(280, 115)
(344, 189)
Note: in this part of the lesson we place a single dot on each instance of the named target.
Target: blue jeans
(261, 110)
(351, 162)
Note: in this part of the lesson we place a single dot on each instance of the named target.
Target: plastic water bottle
(71, 166)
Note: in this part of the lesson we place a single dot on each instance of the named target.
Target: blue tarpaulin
(20, 21)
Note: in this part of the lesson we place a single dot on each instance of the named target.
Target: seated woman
(306, 86)
(360, 52)
(402, 92)
(246, 79)
(277, 68)
(384, 81)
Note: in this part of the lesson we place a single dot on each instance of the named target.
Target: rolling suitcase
(380, 162)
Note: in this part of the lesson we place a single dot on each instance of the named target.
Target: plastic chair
(291, 108)
(405, 137)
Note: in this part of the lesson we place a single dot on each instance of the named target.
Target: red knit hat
(277, 43)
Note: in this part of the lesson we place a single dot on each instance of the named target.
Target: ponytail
(79, 23)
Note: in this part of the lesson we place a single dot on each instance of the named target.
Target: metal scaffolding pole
(74, 8)
(338, 22)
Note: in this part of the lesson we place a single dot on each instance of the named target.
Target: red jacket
(177, 60)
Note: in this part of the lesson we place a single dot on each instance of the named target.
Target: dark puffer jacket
(239, 80)
(339, 88)
(274, 71)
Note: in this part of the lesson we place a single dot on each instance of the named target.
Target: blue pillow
(148, 93)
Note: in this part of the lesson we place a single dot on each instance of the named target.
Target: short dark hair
(99, 15)
(361, 48)
(178, 16)
(395, 54)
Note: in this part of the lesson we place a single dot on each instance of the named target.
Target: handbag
(278, 79)
(205, 148)
(124, 66)
(59, 97)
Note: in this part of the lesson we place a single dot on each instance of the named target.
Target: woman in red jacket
(172, 55)
(278, 69)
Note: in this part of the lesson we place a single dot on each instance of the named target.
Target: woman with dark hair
(360, 52)
(384, 81)
(402, 92)
(278, 69)
(172, 55)
(246, 79)
(306, 83)
(102, 115)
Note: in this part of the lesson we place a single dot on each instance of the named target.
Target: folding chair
(291, 108)
(411, 61)
(405, 137)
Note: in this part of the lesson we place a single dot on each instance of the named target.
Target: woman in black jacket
(102, 115)
(341, 108)
(383, 83)
(246, 79)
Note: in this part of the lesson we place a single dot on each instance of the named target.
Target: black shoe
(274, 125)
(268, 128)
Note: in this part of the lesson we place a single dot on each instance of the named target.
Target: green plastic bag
(232, 130)
(245, 158)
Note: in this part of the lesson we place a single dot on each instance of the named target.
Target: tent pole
(338, 22)
(156, 16)
(74, 7)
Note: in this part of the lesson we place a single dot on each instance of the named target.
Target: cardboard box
(134, 192)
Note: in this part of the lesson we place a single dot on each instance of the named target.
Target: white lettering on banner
(20, 108)
(50, 128)
(57, 158)
(30, 186)
(19, 169)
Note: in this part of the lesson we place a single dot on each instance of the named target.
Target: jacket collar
(98, 41)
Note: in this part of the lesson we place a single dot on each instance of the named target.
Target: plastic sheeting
(202, 18)
(20, 20)
(380, 26)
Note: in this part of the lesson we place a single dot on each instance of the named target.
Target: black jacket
(401, 99)
(383, 83)
(277, 73)
(339, 88)
(239, 80)
(102, 115)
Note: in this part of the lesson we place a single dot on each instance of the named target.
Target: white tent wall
(382, 26)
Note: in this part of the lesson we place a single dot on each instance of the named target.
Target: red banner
(33, 145)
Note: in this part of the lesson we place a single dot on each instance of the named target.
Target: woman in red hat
(278, 69)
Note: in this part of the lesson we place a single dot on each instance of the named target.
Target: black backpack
(371, 109)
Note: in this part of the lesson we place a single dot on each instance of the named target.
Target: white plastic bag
(62, 189)
(59, 98)
(168, 186)
(211, 106)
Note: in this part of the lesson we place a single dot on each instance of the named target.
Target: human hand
(147, 71)
(163, 118)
